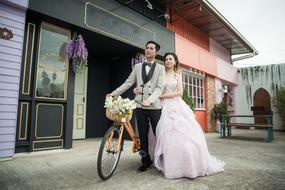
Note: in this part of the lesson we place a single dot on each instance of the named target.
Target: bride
(181, 149)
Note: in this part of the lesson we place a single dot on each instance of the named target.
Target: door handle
(83, 99)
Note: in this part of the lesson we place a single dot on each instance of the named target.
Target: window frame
(195, 85)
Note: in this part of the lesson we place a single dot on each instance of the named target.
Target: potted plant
(279, 102)
(219, 110)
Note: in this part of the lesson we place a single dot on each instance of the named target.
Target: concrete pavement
(251, 163)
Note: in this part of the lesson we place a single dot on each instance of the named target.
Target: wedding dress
(181, 149)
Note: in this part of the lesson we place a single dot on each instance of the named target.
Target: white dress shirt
(147, 68)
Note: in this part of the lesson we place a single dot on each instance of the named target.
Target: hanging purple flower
(76, 50)
(69, 48)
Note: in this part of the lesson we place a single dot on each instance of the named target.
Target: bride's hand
(137, 91)
(162, 96)
(146, 103)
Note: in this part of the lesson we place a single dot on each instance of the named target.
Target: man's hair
(157, 46)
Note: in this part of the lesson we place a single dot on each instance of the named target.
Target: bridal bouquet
(119, 109)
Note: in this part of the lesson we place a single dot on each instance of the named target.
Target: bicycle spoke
(110, 157)
(109, 153)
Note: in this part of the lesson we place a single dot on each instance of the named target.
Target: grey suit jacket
(151, 90)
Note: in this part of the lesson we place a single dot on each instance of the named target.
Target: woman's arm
(178, 92)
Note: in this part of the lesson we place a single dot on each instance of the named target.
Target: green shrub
(188, 100)
(279, 102)
(219, 110)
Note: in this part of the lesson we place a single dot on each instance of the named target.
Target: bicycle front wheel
(109, 153)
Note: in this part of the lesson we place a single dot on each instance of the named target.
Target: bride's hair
(177, 64)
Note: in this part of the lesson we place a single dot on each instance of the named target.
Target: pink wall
(214, 63)
(190, 32)
(194, 56)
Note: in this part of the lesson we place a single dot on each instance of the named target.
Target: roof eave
(214, 12)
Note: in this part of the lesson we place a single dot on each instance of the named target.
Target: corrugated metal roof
(204, 16)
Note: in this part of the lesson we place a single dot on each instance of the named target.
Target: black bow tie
(147, 64)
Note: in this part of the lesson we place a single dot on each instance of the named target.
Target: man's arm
(127, 84)
(159, 88)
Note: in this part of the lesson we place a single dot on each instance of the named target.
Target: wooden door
(44, 94)
(80, 98)
(261, 104)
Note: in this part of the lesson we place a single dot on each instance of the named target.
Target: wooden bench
(226, 124)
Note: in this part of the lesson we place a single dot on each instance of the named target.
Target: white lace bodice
(171, 83)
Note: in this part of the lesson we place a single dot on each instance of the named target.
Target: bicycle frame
(112, 145)
(128, 126)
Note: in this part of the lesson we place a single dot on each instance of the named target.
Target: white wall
(225, 70)
(241, 103)
(219, 91)
(219, 51)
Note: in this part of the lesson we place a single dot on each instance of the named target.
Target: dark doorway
(109, 65)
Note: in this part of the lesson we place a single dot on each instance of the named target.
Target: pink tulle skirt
(180, 149)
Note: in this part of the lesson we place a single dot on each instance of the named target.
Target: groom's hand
(146, 103)
(107, 95)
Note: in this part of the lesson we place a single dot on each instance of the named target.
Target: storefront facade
(55, 105)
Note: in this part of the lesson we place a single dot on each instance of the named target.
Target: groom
(149, 78)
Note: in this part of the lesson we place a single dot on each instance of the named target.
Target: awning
(202, 15)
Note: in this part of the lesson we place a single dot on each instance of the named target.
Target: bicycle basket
(118, 118)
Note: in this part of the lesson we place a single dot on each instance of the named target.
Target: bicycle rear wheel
(109, 153)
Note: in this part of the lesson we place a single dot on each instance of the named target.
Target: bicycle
(112, 145)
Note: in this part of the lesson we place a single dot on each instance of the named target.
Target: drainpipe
(244, 57)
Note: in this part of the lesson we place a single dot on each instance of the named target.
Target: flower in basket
(121, 107)
(77, 52)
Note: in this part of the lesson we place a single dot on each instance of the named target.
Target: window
(194, 86)
(52, 67)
